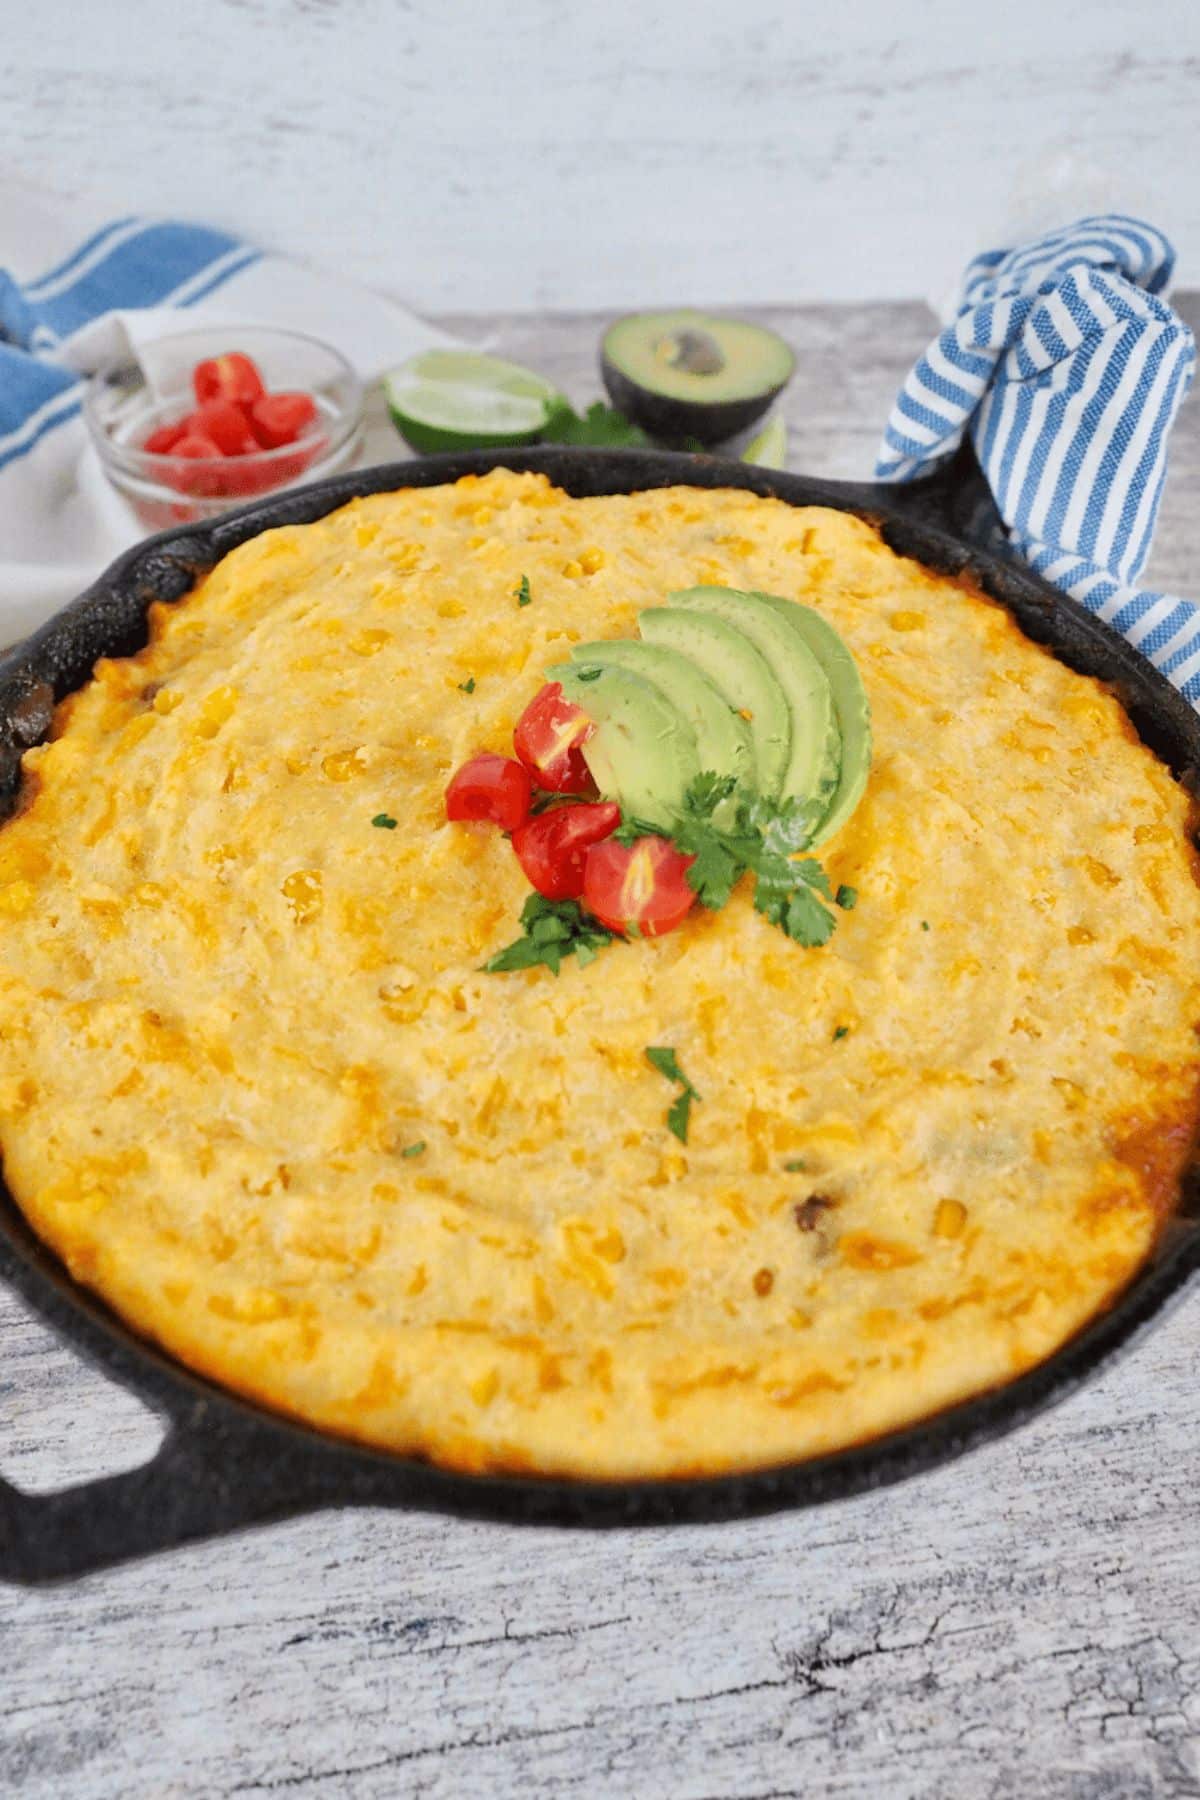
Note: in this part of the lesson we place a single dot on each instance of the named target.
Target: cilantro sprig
(730, 836)
(600, 425)
(551, 929)
(663, 1058)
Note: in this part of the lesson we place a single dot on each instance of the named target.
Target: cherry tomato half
(644, 885)
(229, 377)
(227, 426)
(490, 787)
(280, 418)
(208, 477)
(549, 740)
(553, 847)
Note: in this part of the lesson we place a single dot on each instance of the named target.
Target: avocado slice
(850, 703)
(731, 662)
(723, 741)
(643, 751)
(814, 758)
(687, 374)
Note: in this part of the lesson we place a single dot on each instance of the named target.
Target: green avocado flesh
(742, 674)
(815, 753)
(689, 355)
(643, 751)
(722, 737)
(850, 703)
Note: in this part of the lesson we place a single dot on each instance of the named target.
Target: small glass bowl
(130, 397)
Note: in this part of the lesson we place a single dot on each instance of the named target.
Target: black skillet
(225, 1463)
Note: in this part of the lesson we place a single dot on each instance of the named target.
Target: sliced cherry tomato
(280, 418)
(229, 377)
(553, 847)
(549, 740)
(644, 885)
(165, 438)
(227, 426)
(490, 787)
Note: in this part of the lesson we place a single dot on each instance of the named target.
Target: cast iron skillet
(226, 1463)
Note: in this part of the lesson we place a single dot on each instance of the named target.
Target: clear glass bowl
(128, 399)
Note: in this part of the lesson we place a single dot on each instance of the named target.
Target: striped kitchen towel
(1067, 368)
(66, 306)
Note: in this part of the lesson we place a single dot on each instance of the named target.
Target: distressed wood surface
(537, 154)
(1024, 1622)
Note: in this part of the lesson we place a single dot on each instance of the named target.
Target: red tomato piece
(280, 418)
(549, 739)
(229, 377)
(227, 426)
(206, 478)
(490, 787)
(644, 885)
(165, 438)
(553, 847)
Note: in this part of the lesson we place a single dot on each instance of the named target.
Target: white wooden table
(1023, 1623)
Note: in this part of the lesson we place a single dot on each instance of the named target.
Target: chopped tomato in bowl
(204, 420)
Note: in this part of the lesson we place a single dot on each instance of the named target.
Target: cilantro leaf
(601, 425)
(679, 1114)
(551, 930)
(413, 1149)
(467, 686)
(385, 821)
(664, 1059)
(846, 898)
(521, 593)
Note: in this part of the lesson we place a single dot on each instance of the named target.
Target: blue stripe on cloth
(1076, 373)
(144, 270)
(77, 256)
(128, 264)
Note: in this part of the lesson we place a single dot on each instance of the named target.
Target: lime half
(461, 400)
(769, 448)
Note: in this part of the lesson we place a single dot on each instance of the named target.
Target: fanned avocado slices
(743, 675)
(643, 751)
(722, 738)
(850, 702)
(815, 752)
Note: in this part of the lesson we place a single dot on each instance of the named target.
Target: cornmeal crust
(228, 1004)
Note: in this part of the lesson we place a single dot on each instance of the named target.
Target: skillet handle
(184, 1493)
(955, 499)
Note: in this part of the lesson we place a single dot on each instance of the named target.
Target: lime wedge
(769, 448)
(461, 399)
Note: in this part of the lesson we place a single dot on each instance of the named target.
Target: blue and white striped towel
(1067, 370)
(66, 306)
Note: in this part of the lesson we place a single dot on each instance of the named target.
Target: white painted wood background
(1022, 1625)
(474, 155)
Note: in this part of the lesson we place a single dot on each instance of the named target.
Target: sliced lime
(769, 448)
(460, 399)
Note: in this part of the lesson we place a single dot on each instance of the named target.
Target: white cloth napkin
(67, 304)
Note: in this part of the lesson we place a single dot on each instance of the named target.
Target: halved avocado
(850, 702)
(688, 374)
(643, 751)
(742, 674)
(722, 739)
(815, 754)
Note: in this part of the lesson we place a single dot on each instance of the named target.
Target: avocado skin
(674, 421)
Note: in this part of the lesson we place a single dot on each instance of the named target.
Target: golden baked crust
(228, 1004)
